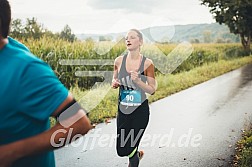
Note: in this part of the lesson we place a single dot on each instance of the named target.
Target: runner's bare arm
(43, 142)
(117, 63)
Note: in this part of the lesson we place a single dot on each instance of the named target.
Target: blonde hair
(139, 34)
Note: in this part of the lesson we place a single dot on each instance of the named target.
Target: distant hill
(203, 33)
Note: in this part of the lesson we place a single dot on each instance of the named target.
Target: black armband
(70, 109)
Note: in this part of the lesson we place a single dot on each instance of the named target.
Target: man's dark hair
(5, 18)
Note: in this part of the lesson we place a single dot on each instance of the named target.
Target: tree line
(32, 29)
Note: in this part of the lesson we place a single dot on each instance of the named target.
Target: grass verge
(243, 157)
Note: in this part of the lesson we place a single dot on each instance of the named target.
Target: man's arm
(42, 142)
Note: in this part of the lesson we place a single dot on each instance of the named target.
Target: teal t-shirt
(30, 92)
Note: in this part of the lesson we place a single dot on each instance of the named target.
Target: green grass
(243, 157)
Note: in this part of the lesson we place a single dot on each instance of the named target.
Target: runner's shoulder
(148, 62)
(118, 60)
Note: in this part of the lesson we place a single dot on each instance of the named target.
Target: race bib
(131, 98)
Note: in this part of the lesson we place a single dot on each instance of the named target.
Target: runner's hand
(134, 76)
(115, 83)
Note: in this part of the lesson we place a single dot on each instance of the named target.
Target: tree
(50, 34)
(17, 29)
(67, 34)
(33, 29)
(236, 14)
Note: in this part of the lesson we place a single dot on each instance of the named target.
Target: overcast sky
(103, 16)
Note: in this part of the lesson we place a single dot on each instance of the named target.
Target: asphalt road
(197, 127)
